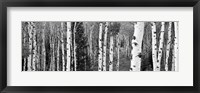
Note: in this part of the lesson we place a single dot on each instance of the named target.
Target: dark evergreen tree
(83, 62)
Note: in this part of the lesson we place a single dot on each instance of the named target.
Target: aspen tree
(71, 48)
(90, 44)
(68, 45)
(100, 47)
(137, 46)
(87, 47)
(74, 49)
(43, 47)
(51, 45)
(105, 47)
(111, 54)
(58, 49)
(38, 35)
(30, 46)
(62, 46)
(24, 45)
(34, 59)
(175, 52)
(154, 46)
(161, 41)
(168, 46)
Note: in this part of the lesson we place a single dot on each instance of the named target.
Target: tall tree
(43, 47)
(137, 44)
(100, 47)
(25, 45)
(38, 45)
(83, 63)
(74, 44)
(34, 49)
(154, 46)
(62, 46)
(161, 41)
(114, 28)
(105, 46)
(175, 52)
(30, 46)
(111, 54)
(51, 40)
(146, 51)
(168, 46)
(68, 46)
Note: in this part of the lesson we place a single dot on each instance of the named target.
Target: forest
(99, 46)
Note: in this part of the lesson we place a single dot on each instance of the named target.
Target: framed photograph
(99, 46)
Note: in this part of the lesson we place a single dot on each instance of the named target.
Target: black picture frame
(99, 3)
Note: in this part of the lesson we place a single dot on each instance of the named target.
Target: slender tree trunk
(74, 32)
(168, 46)
(71, 49)
(38, 33)
(105, 47)
(175, 57)
(58, 50)
(24, 45)
(51, 46)
(160, 46)
(118, 57)
(100, 47)
(62, 46)
(43, 48)
(30, 47)
(111, 54)
(154, 46)
(68, 45)
(90, 44)
(34, 59)
(137, 46)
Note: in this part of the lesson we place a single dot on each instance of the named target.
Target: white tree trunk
(168, 46)
(154, 46)
(111, 54)
(160, 46)
(175, 57)
(50, 39)
(105, 47)
(90, 44)
(58, 48)
(118, 57)
(62, 46)
(34, 59)
(51, 46)
(30, 46)
(53, 49)
(100, 48)
(68, 45)
(43, 48)
(74, 46)
(38, 53)
(137, 46)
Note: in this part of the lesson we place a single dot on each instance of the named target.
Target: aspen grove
(99, 46)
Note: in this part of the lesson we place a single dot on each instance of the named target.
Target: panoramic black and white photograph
(99, 46)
